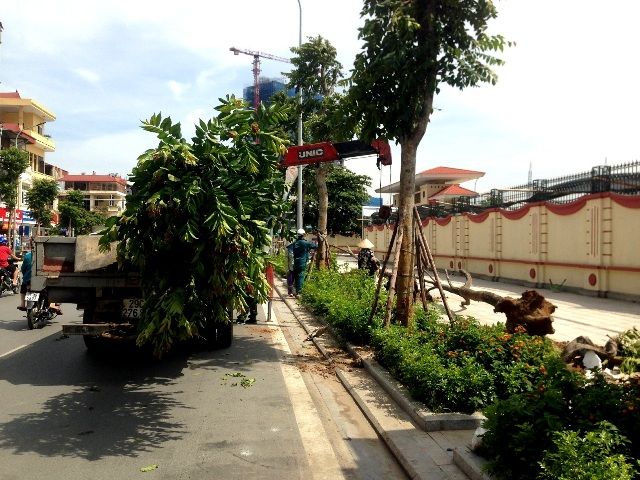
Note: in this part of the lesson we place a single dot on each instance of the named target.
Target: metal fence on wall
(622, 179)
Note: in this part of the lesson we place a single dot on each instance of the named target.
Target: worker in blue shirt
(301, 249)
(26, 278)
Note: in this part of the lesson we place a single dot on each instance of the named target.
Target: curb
(426, 420)
(470, 463)
(398, 453)
(287, 302)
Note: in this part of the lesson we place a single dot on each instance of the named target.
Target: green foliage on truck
(198, 220)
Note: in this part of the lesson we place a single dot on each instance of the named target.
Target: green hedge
(540, 414)
(461, 367)
(344, 300)
(529, 423)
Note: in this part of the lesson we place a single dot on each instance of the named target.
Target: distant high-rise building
(268, 87)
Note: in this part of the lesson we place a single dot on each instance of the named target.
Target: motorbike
(6, 280)
(39, 312)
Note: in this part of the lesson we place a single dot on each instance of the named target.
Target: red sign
(331, 152)
(309, 154)
(4, 215)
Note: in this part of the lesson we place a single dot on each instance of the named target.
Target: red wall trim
(567, 208)
(629, 201)
(549, 264)
(515, 214)
(443, 221)
(478, 218)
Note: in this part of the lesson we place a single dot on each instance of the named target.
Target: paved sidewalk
(423, 455)
(576, 314)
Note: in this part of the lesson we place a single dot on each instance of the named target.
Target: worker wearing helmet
(5, 255)
(301, 249)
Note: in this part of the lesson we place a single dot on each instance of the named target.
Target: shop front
(24, 226)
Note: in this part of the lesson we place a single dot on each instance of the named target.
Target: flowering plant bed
(542, 417)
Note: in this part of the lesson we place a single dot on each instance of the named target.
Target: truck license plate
(132, 308)
(32, 296)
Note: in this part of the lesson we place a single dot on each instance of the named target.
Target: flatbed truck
(74, 270)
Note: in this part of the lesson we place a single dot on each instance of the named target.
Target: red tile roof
(449, 171)
(455, 191)
(93, 178)
(10, 94)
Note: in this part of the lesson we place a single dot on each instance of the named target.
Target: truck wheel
(224, 334)
(91, 342)
(219, 335)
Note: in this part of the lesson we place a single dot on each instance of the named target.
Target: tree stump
(531, 311)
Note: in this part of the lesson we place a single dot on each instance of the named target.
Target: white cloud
(566, 99)
(88, 75)
(178, 88)
(114, 152)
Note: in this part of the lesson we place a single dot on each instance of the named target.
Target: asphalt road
(68, 415)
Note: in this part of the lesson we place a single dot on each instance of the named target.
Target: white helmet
(301, 231)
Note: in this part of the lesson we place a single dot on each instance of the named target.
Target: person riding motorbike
(5, 255)
(27, 263)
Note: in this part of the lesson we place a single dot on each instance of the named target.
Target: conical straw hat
(366, 243)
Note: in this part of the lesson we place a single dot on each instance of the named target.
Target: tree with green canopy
(207, 205)
(317, 71)
(75, 217)
(347, 193)
(410, 49)
(13, 162)
(40, 198)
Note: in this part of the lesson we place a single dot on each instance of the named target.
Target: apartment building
(22, 125)
(102, 193)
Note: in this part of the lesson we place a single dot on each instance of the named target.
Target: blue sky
(566, 100)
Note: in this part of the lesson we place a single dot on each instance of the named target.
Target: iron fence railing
(623, 179)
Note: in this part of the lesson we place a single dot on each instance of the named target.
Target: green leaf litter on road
(246, 382)
(149, 468)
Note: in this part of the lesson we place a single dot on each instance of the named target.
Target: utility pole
(299, 205)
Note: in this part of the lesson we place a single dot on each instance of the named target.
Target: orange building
(437, 185)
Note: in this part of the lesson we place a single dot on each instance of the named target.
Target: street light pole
(299, 210)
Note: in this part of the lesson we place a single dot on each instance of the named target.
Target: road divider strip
(12, 351)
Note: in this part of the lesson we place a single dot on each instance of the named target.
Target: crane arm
(253, 53)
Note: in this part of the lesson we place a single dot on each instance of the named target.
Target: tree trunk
(532, 313)
(404, 281)
(409, 149)
(323, 207)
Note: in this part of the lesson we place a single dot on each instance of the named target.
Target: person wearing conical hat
(366, 258)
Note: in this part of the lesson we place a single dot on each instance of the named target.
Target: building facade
(22, 125)
(268, 88)
(102, 193)
(437, 185)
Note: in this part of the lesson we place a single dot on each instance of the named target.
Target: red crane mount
(331, 152)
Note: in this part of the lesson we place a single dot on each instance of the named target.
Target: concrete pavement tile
(450, 439)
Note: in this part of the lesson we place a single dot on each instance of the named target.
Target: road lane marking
(12, 351)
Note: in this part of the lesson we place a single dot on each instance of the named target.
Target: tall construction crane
(256, 69)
